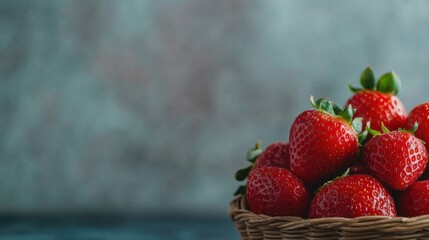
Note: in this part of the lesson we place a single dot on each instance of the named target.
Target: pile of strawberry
(366, 159)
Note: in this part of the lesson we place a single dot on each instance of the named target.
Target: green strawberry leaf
(367, 79)
(389, 83)
(318, 103)
(384, 128)
(347, 114)
(240, 191)
(362, 137)
(337, 109)
(327, 107)
(353, 89)
(357, 124)
(242, 174)
(313, 103)
(414, 128)
(372, 131)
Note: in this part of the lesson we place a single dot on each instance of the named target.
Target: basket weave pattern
(257, 226)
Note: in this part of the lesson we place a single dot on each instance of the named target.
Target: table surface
(124, 228)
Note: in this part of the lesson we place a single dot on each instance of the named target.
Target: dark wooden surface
(123, 228)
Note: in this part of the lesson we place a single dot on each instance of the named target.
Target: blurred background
(148, 107)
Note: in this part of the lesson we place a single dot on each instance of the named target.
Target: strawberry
(323, 142)
(414, 201)
(276, 155)
(377, 103)
(276, 191)
(352, 196)
(396, 158)
(420, 114)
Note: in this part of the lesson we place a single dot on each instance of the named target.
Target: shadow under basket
(259, 226)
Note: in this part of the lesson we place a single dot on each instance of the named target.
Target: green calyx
(367, 79)
(242, 174)
(387, 83)
(412, 130)
(374, 132)
(384, 129)
(327, 106)
(345, 174)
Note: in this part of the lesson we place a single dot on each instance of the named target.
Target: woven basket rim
(238, 206)
(259, 226)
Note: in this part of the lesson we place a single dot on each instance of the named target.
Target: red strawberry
(396, 158)
(352, 196)
(276, 191)
(379, 105)
(414, 201)
(420, 114)
(323, 144)
(276, 155)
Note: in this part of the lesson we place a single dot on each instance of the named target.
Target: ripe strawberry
(395, 158)
(352, 196)
(379, 104)
(420, 114)
(414, 201)
(323, 142)
(276, 155)
(276, 191)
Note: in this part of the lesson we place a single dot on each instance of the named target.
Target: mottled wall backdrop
(148, 106)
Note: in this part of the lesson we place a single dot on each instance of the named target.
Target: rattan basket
(257, 226)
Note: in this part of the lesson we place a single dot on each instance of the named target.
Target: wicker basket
(258, 226)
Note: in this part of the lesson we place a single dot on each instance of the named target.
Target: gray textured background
(149, 106)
